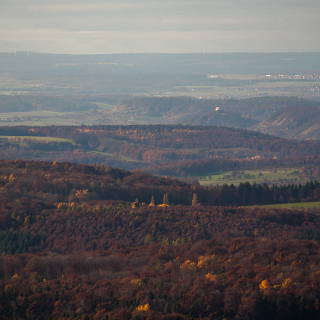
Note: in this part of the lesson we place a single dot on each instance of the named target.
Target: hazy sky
(115, 26)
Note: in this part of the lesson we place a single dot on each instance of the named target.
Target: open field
(38, 139)
(47, 118)
(270, 176)
(314, 204)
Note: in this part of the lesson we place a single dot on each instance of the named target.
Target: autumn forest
(182, 213)
(73, 246)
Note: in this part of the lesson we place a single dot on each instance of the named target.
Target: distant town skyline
(166, 26)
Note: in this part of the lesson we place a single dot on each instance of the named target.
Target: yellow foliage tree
(143, 307)
(188, 264)
(286, 283)
(11, 178)
(163, 205)
(82, 193)
(60, 205)
(203, 260)
(54, 163)
(195, 201)
(152, 202)
(16, 276)
(264, 284)
(211, 277)
(136, 282)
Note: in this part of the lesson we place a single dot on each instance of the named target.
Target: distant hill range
(287, 117)
(297, 122)
(139, 147)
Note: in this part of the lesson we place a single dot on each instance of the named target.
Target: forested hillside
(298, 122)
(137, 146)
(67, 183)
(74, 246)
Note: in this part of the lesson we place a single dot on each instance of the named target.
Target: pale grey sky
(120, 26)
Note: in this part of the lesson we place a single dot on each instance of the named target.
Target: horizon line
(160, 53)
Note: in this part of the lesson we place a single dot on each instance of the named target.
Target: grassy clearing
(43, 118)
(34, 138)
(269, 176)
(315, 204)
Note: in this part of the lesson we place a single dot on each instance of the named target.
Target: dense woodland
(72, 247)
(60, 182)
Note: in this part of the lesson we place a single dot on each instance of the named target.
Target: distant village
(293, 76)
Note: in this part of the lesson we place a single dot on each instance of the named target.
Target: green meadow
(269, 176)
(19, 139)
(306, 205)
